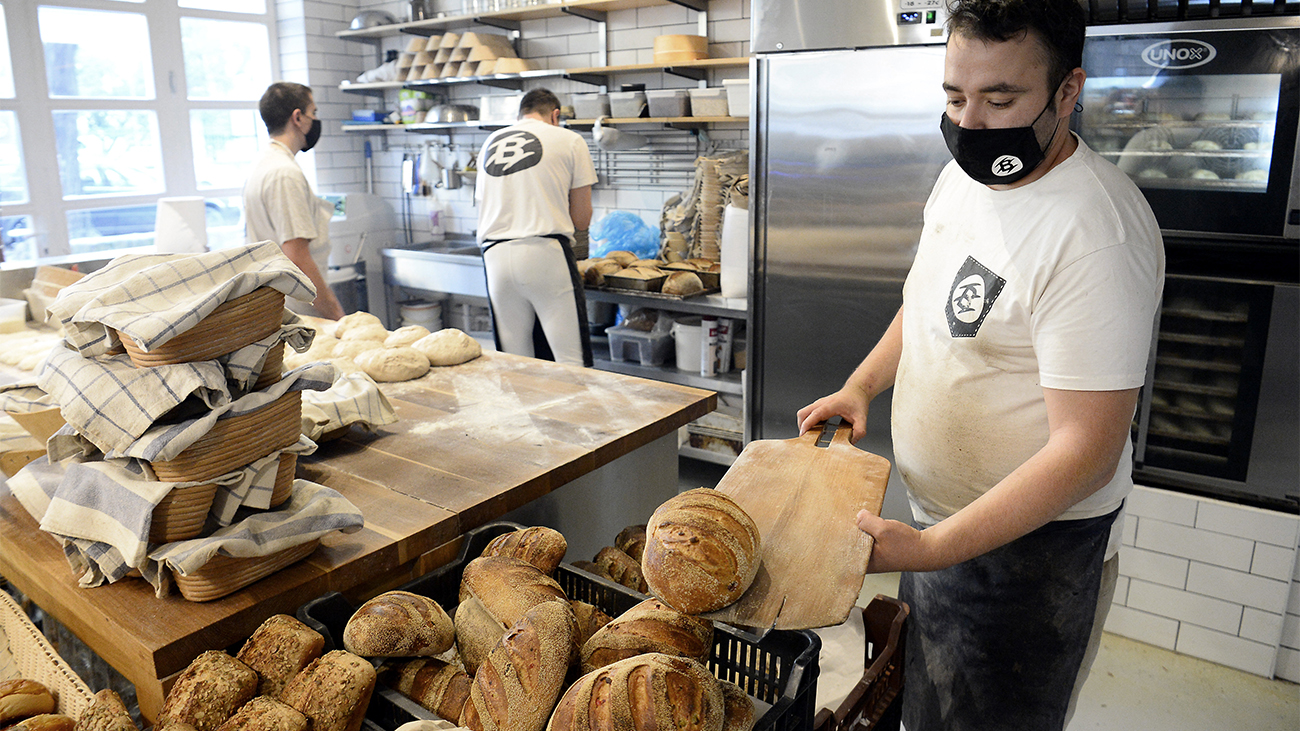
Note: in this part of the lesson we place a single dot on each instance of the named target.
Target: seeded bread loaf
(436, 685)
(650, 626)
(333, 691)
(702, 551)
(399, 624)
(265, 713)
(621, 568)
(642, 692)
(106, 712)
(21, 698)
(515, 689)
(209, 691)
(540, 546)
(278, 650)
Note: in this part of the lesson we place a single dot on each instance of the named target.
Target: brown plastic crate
(875, 703)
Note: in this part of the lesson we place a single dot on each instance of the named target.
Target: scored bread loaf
(436, 685)
(477, 632)
(624, 258)
(607, 266)
(106, 712)
(631, 540)
(278, 650)
(540, 546)
(650, 626)
(646, 691)
(737, 708)
(621, 568)
(333, 691)
(589, 619)
(22, 698)
(515, 689)
(208, 691)
(399, 624)
(264, 713)
(45, 722)
(683, 284)
(495, 591)
(702, 551)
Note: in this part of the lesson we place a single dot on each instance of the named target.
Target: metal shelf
(510, 19)
(728, 383)
(711, 305)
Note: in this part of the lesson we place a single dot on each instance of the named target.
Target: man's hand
(898, 546)
(848, 403)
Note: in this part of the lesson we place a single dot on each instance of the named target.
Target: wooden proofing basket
(25, 653)
(225, 575)
(228, 328)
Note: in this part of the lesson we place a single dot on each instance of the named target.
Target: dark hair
(539, 101)
(1059, 24)
(279, 102)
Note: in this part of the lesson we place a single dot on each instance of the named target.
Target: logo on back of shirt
(511, 153)
(974, 291)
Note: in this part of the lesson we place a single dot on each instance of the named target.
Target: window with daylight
(119, 103)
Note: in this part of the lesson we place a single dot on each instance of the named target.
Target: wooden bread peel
(804, 497)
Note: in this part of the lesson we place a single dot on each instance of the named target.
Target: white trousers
(529, 279)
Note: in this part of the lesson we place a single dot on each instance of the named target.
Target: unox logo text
(1178, 54)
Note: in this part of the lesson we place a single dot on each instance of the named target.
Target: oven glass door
(1204, 122)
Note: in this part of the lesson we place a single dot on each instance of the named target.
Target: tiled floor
(1132, 686)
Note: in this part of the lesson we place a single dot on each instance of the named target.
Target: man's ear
(1071, 90)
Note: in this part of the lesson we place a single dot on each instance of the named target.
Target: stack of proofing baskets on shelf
(26, 654)
(780, 669)
(458, 55)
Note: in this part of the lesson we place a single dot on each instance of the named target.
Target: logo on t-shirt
(511, 153)
(972, 296)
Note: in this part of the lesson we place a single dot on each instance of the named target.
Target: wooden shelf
(595, 75)
(510, 19)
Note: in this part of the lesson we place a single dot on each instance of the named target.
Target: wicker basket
(237, 441)
(25, 653)
(224, 575)
(272, 367)
(284, 479)
(180, 515)
(228, 328)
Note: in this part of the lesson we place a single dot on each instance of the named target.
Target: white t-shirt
(279, 205)
(525, 174)
(1054, 284)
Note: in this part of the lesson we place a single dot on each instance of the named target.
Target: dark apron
(542, 347)
(997, 642)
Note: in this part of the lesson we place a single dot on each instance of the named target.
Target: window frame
(34, 108)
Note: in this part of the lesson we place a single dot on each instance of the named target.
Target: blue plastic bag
(624, 231)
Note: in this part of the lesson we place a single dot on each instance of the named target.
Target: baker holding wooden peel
(1015, 361)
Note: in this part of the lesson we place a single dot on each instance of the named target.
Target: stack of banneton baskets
(233, 442)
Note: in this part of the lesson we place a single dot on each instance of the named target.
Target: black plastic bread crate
(780, 669)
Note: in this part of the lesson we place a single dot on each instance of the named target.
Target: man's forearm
(876, 373)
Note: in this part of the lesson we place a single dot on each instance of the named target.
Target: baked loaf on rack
(106, 712)
(650, 626)
(702, 551)
(515, 689)
(399, 624)
(209, 691)
(437, 686)
(333, 691)
(683, 284)
(646, 691)
(540, 546)
(621, 568)
(21, 698)
(589, 619)
(264, 713)
(631, 540)
(738, 709)
(278, 650)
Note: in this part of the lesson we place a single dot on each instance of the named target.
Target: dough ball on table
(702, 551)
(393, 364)
(353, 348)
(366, 332)
(448, 347)
(345, 365)
(347, 322)
(405, 336)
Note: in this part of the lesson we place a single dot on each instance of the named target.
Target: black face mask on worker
(996, 156)
(313, 135)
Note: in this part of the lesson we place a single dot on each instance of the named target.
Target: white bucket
(419, 312)
(686, 336)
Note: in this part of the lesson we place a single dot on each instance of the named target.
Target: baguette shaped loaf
(265, 713)
(650, 691)
(631, 540)
(106, 713)
(516, 688)
(333, 691)
(702, 551)
(540, 546)
(278, 650)
(21, 698)
(495, 592)
(650, 626)
(399, 624)
(621, 568)
(738, 708)
(208, 691)
(45, 722)
(438, 686)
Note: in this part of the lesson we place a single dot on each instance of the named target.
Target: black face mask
(995, 156)
(313, 135)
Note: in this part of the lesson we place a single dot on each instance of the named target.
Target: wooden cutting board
(804, 498)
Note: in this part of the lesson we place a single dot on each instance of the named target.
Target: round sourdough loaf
(702, 551)
(540, 546)
(650, 626)
(646, 691)
(399, 624)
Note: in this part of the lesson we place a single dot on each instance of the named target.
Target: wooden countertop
(472, 443)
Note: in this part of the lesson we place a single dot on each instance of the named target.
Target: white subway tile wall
(1211, 579)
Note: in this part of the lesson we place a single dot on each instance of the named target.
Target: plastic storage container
(876, 701)
(711, 102)
(737, 97)
(668, 102)
(13, 314)
(649, 348)
(624, 104)
(780, 669)
(591, 106)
